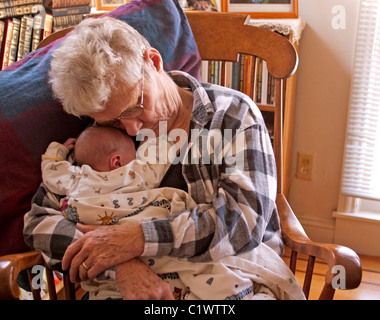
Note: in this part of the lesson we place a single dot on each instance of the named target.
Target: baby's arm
(70, 143)
(56, 170)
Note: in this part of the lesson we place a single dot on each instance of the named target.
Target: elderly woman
(109, 72)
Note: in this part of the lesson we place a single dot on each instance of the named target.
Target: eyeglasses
(131, 112)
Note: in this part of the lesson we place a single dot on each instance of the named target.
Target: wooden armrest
(10, 266)
(295, 237)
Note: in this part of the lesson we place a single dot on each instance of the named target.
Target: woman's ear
(152, 54)
(115, 161)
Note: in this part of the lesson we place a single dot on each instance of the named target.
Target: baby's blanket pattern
(257, 274)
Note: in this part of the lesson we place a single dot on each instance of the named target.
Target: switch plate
(305, 166)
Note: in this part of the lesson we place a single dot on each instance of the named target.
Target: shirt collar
(203, 110)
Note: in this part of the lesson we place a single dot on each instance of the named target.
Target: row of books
(67, 13)
(23, 23)
(19, 36)
(248, 75)
(63, 16)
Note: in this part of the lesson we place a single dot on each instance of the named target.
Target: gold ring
(84, 266)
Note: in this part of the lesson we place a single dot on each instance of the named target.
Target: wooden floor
(369, 288)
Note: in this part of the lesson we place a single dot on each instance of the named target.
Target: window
(361, 165)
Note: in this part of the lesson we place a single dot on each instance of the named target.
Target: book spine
(235, 76)
(21, 39)
(16, 11)
(17, 3)
(67, 3)
(2, 27)
(14, 45)
(204, 71)
(67, 20)
(69, 11)
(28, 35)
(48, 27)
(264, 84)
(37, 28)
(7, 47)
(247, 74)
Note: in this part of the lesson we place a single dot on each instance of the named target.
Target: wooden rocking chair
(223, 37)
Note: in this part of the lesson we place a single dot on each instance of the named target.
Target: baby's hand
(70, 143)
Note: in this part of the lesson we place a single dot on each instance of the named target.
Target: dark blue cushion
(30, 119)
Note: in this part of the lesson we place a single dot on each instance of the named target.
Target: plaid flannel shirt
(236, 203)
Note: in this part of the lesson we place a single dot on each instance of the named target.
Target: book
(228, 74)
(241, 73)
(65, 3)
(17, 3)
(37, 30)
(258, 79)
(16, 11)
(69, 20)
(28, 35)
(21, 40)
(204, 71)
(201, 5)
(2, 27)
(264, 84)
(48, 27)
(235, 76)
(15, 37)
(247, 74)
(7, 41)
(57, 12)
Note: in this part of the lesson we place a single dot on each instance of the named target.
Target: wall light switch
(305, 166)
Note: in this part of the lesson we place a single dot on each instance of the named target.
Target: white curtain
(361, 167)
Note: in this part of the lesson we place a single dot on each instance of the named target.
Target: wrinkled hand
(137, 281)
(102, 247)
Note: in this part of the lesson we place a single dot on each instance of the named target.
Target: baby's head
(104, 148)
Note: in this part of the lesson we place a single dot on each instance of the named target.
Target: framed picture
(108, 5)
(200, 5)
(262, 9)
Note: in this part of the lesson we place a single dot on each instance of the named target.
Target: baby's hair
(95, 145)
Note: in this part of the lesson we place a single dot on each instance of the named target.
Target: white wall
(324, 76)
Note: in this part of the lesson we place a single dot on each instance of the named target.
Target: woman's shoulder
(233, 105)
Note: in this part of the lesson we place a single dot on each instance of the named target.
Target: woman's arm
(47, 231)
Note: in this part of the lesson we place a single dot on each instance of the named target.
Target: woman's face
(160, 102)
(157, 94)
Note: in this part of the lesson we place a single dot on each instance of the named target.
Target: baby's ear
(115, 161)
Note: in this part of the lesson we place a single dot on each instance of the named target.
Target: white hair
(87, 64)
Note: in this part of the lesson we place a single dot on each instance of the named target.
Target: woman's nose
(131, 126)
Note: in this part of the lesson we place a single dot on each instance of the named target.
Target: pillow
(30, 118)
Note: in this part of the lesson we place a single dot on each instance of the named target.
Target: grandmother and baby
(130, 226)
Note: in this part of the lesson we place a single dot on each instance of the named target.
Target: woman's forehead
(120, 100)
